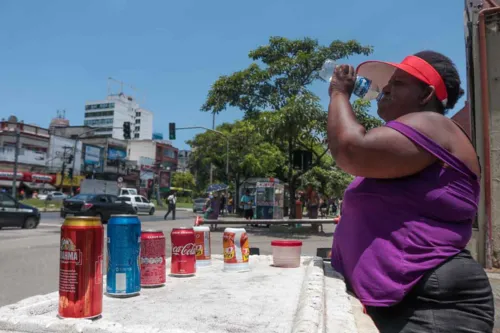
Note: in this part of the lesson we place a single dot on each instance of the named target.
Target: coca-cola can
(183, 259)
(203, 246)
(152, 258)
(80, 268)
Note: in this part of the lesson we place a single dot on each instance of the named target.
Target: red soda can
(80, 268)
(152, 258)
(183, 252)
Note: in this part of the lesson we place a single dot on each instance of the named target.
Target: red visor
(380, 73)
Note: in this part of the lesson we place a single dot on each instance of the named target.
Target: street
(29, 258)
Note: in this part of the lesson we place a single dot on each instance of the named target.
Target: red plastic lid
(286, 243)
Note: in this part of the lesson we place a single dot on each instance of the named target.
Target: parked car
(139, 203)
(54, 196)
(16, 214)
(101, 205)
(199, 204)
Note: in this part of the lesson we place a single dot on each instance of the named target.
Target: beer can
(123, 277)
(236, 249)
(203, 246)
(152, 258)
(80, 268)
(183, 259)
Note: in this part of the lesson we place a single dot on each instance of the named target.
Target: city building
(108, 116)
(155, 158)
(184, 158)
(33, 144)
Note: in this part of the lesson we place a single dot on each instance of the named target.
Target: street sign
(120, 185)
(120, 180)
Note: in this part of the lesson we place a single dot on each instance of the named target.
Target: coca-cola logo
(188, 249)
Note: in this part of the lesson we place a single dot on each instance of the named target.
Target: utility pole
(16, 157)
(66, 148)
(211, 164)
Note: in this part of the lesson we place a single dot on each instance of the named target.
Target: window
(137, 199)
(6, 201)
(100, 106)
(126, 199)
(101, 198)
(136, 136)
(84, 197)
(104, 129)
(112, 198)
(98, 122)
(169, 153)
(137, 128)
(137, 114)
(145, 200)
(99, 114)
(137, 121)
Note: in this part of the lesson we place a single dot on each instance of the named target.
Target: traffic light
(70, 173)
(126, 130)
(70, 158)
(171, 131)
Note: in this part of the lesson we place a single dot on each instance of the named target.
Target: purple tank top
(394, 230)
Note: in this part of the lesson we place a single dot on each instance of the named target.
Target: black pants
(171, 209)
(454, 297)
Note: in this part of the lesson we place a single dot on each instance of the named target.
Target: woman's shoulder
(435, 126)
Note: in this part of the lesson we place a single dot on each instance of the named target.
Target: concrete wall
(146, 127)
(141, 148)
(493, 56)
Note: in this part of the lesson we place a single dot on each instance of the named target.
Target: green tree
(278, 81)
(184, 180)
(250, 155)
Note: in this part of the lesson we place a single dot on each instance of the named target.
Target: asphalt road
(29, 258)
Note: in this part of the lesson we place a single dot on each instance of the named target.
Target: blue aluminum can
(123, 277)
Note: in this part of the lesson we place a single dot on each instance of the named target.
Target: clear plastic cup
(286, 253)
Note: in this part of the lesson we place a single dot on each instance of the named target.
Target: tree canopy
(281, 115)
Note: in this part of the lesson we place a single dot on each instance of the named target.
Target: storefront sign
(69, 182)
(39, 178)
(165, 181)
(10, 175)
(92, 155)
(265, 184)
(116, 154)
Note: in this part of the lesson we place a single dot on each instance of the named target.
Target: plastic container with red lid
(286, 253)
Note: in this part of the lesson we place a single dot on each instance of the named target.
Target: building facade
(184, 158)
(109, 115)
(33, 144)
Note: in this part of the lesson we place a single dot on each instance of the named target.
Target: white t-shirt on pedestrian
(171, 199)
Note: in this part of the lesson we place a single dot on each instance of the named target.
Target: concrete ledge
(308, 299)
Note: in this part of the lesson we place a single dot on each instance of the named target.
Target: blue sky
(58, 54)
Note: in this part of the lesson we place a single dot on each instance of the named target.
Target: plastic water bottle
(363, 87)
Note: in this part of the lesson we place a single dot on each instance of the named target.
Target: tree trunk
(291, 182)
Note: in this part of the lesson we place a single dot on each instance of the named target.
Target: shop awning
(39, 186)
(8, 183)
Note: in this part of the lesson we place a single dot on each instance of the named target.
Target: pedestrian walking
(171, 200)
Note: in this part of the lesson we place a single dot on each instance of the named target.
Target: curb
(310, 313)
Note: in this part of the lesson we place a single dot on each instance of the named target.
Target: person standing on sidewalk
(246, 201)
(172, 199)
(407, 216)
